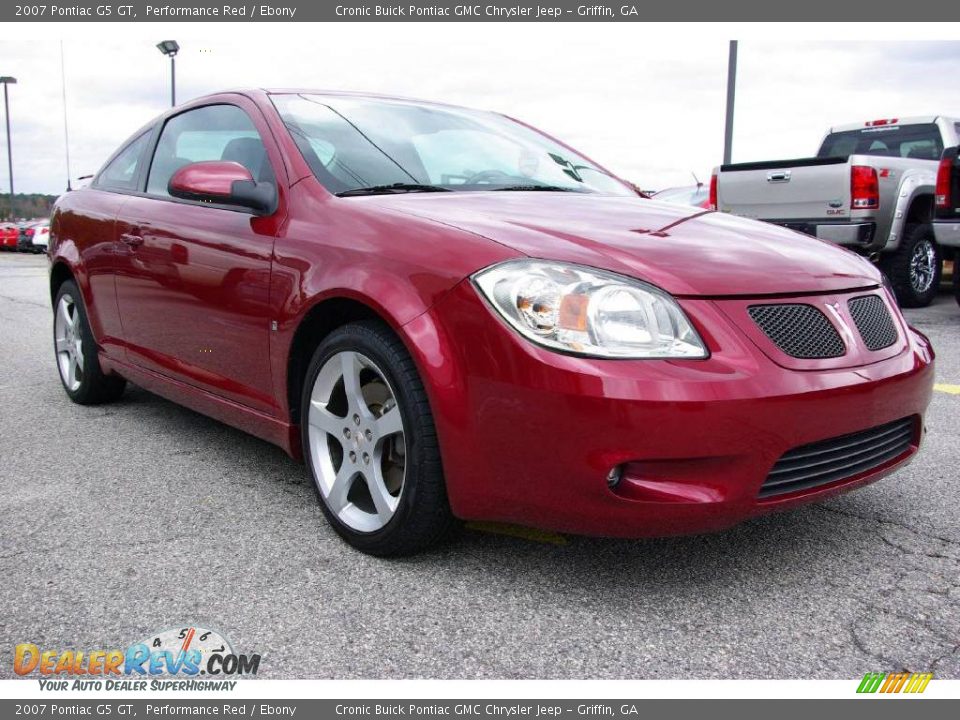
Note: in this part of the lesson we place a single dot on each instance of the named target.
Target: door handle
(132, 240)
(778, 176)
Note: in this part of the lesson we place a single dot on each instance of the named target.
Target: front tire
(76, 352)
(914, 268)
(371, 445)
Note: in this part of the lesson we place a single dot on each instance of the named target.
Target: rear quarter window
(121, 173)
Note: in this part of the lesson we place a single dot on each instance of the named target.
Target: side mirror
(223, 183)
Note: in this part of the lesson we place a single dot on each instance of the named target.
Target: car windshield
(359, 145)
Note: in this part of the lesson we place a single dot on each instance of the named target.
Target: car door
(91, 225)
(194, 286)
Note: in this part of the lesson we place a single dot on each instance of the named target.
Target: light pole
(6, 80)
(171, 48)
(731, 92)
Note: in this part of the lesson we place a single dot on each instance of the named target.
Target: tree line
(26, 206)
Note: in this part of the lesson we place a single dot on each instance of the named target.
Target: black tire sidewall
(956, 277)
(897, 267)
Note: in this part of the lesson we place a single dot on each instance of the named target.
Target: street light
(171, 48)
(7, 80)
(731, 94)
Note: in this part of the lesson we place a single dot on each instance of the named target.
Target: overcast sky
(649, 107)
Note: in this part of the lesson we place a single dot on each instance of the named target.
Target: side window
(121, 173)
(214, 132)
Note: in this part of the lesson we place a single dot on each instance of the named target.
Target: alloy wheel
(356, 441)
(922, 266)
(68, 341)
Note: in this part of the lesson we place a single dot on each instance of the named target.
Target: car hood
(686, 251)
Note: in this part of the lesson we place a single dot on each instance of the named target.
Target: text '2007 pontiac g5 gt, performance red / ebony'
(451, 315)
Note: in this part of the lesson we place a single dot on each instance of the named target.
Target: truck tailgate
(807, 188)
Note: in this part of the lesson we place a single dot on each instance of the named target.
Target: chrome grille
(839, 458)
(801, 331)
(873, 321)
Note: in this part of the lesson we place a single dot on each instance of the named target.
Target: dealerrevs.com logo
(186, 658)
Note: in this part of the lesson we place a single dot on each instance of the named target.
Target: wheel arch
(60, 272)
(914, 204)
(921, 209)
(323, 317)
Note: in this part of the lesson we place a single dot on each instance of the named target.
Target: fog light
(613, 477)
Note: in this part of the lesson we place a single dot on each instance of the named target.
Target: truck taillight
(943, 183)
(864, 188)
(881, 123)
(712, 201)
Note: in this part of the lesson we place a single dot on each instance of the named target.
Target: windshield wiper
(546, 188)
(392, 188)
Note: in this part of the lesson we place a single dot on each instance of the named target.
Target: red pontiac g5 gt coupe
(449, 314)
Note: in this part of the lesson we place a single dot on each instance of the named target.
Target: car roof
(349, 94)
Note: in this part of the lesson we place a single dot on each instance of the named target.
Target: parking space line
(518, 531)
(952, 389)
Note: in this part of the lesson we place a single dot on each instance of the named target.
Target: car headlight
(589, 312)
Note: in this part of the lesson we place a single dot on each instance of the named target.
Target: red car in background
(449, 314)
(9, 236)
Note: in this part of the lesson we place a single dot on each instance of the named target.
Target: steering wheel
(488, 176)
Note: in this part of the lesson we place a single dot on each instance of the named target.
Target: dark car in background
(946, 219)
(34, 237)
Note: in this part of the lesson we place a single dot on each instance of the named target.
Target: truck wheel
(914, 268)
(956, 278)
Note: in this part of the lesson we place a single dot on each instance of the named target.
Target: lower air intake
(839, 458)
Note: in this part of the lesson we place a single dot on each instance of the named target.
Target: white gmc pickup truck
(870, 188)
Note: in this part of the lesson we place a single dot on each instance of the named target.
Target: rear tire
(915, 267)
(75, 351)
(371, 445)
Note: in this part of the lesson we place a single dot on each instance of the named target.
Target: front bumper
(529, 436)
(947, 232)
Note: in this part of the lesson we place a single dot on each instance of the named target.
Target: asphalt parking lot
(134, 517)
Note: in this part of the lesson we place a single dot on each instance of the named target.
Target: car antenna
(696, 179)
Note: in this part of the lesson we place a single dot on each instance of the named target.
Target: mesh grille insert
(873, 321)
(801, 331)
(838, 458)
